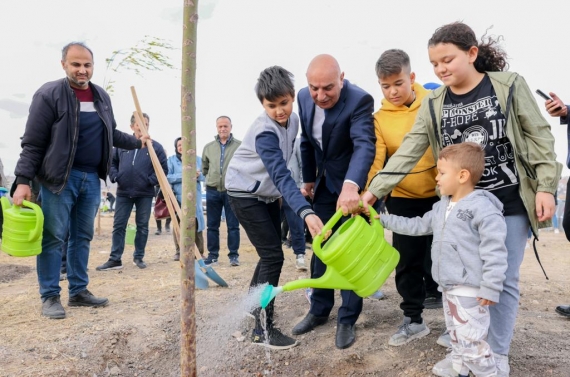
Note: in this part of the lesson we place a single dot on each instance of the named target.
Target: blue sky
(238, 39)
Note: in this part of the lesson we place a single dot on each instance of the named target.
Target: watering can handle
(375, 223)
(37, 231)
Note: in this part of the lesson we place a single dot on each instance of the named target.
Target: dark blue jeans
(123, 209)
(72, 210)
(215, 202)
(296, 228)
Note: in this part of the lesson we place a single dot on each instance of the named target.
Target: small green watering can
(357, 256)
(23, 228)
(130, 234)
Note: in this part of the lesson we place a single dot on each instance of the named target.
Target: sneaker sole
(419, 335)
(81, 304)
(59, 316)
(301, 268)
(433, 306)
(562, 313)
(110, 268)
(273, 347)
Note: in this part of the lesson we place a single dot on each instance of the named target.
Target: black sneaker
(433, 302)
(52, 308)
(234, 261)
(211, 261)
(86, 298)
(277, 340)
(139, 263)
(110, 265)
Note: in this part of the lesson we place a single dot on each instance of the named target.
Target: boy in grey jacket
(468, 254)
(256, 178)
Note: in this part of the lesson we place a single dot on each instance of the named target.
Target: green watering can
(23, 228)
(357, 257)
(130, 234)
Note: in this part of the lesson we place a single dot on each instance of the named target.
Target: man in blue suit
(337, 150)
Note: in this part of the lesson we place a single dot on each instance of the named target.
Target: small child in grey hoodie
(468, 254)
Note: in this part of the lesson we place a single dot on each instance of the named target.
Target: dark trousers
(296, 228)
(566, 219)
(262, 224)
(159, 224)
(216, 201)
(322, 300)
(142, 215)
(413, 272)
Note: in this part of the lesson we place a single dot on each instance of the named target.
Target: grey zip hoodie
(469, 247)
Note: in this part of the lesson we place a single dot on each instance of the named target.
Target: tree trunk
(188, 205)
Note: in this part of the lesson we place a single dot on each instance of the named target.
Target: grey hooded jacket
(469, 247)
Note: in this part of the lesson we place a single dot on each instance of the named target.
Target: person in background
(215, 160)
(558, 109)
(175, 179)
(69, 170)
(135, 177)
(414, 195)
(111, 199)
(159, 222)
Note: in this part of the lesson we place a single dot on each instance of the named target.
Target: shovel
(208, 270)
(171, 202)
(200, 279)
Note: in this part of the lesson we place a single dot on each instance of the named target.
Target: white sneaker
(300, 263)
(503, 368)
(407, 332)
(444, 368)
(444, 339)
(556, 230)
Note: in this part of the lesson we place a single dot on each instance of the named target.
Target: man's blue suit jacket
(348, 139)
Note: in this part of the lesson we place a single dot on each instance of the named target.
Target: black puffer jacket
(134, 173)
(50, 140)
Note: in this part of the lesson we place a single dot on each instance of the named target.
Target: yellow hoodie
(391, 124)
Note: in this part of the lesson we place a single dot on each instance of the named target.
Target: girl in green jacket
(480, 103)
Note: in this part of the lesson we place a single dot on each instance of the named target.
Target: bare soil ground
(138, 333)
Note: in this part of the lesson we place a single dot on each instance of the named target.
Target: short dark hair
(224, 116)
(144, 115)
(67, 46)
(273, 83)
(469, 156)
(392, 62)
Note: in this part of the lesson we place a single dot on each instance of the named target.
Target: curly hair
(491, 57)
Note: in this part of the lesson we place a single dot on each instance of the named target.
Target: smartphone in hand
(547, 98)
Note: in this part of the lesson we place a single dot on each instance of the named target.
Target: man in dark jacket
(67, 147)
(135, 176)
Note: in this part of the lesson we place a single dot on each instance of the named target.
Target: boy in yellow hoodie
(414, 196)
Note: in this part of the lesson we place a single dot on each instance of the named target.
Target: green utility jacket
(211, 161)
(527, 130)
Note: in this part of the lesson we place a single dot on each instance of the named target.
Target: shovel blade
(209, 271)
(200, 281)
